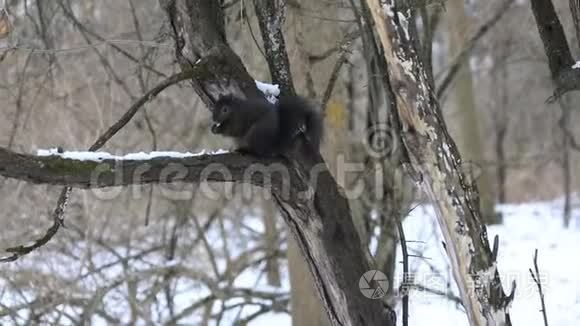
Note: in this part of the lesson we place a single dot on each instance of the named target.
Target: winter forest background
(221, 253)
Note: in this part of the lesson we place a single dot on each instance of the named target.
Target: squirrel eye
(225, 109)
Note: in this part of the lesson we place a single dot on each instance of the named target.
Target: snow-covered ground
(525, 228)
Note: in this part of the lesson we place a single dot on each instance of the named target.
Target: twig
(448, 295)
(342, 59)
(536, 278)
(70, 15)
(405, 286)
(348, 38)
(142, 84)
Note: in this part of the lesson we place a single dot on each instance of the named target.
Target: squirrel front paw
(243, 151)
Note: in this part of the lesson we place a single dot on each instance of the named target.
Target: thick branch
(199, 33)
(271, 17)
(553, 37)
(560, 60)
(55, 170)
(575, 10)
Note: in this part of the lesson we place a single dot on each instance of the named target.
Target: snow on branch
(100, 156)
(271, 92)
(99, 169)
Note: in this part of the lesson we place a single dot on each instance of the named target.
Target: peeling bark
(436, 163)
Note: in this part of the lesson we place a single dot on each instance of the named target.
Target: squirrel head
(222, 113)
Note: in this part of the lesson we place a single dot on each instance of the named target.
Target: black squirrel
(265, 129)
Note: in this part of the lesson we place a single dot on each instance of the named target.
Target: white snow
(404, 23)
(99, 156)
(525, 228)
(270, 91)
(576, 65)
(388, 10)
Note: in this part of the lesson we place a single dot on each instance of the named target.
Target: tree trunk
(565, 162)
(434, 161)
(310, 36)
(270, 215)
(306, 307)
(501, 118)
(468, 134)
(501, 164)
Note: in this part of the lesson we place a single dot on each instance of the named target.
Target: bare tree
(320, 222)
(436, 163)
(180, 239)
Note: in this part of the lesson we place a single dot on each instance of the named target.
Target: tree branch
(406, 284)
(342, 59)
(86, 174)
(537, 279)
(560, 60)
(553, 37)
(271, 18)
(575, 10)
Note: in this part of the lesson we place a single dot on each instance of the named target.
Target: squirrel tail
(297, 115)
(314, 127)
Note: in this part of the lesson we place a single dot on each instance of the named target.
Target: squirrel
(265, 129)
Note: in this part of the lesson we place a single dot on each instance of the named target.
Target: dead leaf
(5, 27)
(336, 114)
